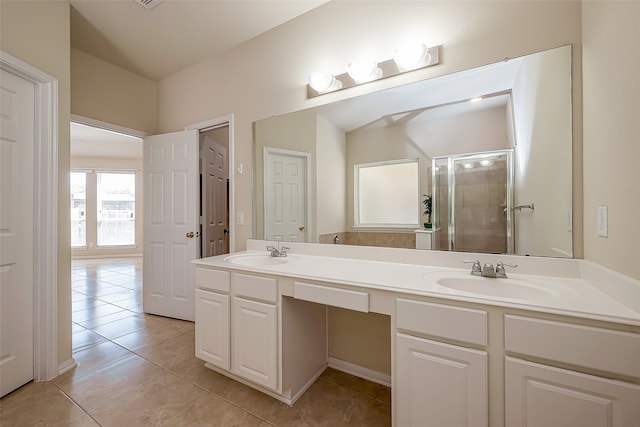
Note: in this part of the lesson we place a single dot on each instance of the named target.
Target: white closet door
(16, 231)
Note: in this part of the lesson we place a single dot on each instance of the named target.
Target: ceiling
(92, 142)
(157, 43)
(381, 108)
(179, 33)
(175, 34)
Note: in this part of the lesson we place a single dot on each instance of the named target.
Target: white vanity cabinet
(237, 324)
(543, 395)
(438, 383)
(213, 327)
(213, 330)
(254, 339)
(246, 327)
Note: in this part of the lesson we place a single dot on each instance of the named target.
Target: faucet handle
(500, 269)
(272, 250)
(283, 250)
(476, 270)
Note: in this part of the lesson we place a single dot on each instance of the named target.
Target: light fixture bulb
(322, 82)
(409, 56)
(478, 99)
(486, 162)
(468, 165)
(363, 70)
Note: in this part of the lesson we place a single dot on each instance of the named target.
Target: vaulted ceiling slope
(175, 34)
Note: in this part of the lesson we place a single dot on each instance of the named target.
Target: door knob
(301, 228)
(190, 235)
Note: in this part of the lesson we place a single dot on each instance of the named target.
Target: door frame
(267, 152)
(217, 122)
(45, 195)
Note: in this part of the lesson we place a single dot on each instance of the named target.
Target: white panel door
(170, 224)
(440, 384)
(543, 396)
(215, 178)
(212, 328)
(254, 342)
(16, 231)
(285, 196)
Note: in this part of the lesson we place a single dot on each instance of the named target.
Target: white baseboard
(359, 371)
(68, 365)
(307, 385)
(106, 256)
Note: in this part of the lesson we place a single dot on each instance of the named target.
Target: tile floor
(138, 369)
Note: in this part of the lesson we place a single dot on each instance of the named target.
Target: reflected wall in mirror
(521, 110)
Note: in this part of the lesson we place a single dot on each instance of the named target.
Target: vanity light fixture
(359, 71)
(409, 56)
(324, 82)
(486, 162)
(474, 100)
(468, 165)
(363, 70)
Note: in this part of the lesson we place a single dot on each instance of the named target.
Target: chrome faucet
(500, 273)
(487, 270)
(277, 253)
(475, 268)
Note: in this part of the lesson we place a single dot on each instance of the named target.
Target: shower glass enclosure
(472, 202)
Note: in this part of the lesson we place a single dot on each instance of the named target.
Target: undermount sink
(500, 288)
(256, 260)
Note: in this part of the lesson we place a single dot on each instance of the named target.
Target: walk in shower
(473, 202)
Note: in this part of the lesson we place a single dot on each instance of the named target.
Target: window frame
(97, 207)
(360, 225)
(86, 209)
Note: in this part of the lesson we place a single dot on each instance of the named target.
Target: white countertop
(566, 294)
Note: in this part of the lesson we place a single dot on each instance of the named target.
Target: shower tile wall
(480, 204)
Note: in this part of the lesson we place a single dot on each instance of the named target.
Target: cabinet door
(212, 328)
(544, 396)
(255, 342)
(439, 384)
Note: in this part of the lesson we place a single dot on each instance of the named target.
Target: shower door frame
(451, 193)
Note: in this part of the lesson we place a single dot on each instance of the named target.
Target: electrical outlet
(602, 221)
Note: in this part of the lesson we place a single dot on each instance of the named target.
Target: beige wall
(106, 164)
(283, 133)
(330, 179)
(611, 132)
(267, 76)
(542, 154)
(37, 32)
(108, 93)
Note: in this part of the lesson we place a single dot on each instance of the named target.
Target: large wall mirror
(493, 148)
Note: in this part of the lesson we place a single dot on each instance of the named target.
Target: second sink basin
(256, 260)
(499, 288)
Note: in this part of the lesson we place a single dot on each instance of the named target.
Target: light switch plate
(240, 218)
(602, 221)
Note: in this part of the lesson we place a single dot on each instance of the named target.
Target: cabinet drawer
(344, 298)
(215, 280)
(444, 321)
(596, 348)
(256, 287)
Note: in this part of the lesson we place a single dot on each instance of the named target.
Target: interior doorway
(214, 191)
